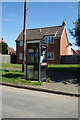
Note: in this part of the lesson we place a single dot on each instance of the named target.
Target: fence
(70, 59)
(7, 58)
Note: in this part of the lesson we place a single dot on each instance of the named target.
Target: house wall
(64, 44)
(55, 48)
(51, 48)
(11, 51)
(69, 50)
(19, 49)
(59, 47)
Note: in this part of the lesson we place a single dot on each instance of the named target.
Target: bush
(4, 47)
(48, 80)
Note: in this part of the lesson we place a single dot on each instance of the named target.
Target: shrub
(48, 80)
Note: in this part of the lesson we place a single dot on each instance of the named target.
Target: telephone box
(36, 60)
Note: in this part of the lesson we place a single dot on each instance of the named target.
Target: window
(20, 56)
(21, 43)
(51, 56)
(49, 39)
(52, 40)
(46, 39)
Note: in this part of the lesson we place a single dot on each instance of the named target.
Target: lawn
(7, 65)
(71, 68)
(16, 77)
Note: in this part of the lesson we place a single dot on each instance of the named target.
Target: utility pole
(24, 37)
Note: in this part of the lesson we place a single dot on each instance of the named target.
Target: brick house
(75, 52)
(56, 37)
(78, 52)
(11, 51)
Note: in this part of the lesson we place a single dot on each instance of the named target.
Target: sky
(79, 9)
(39, 14)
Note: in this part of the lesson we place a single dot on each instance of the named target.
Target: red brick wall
(64, 44)
(59, 48)
(51, 48)
(55, 48)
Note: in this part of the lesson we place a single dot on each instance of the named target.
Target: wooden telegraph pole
(24, 37)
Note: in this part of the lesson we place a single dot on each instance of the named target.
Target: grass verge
(71, 68)
(16, 77)
(7, 65)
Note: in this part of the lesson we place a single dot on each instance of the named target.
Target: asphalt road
(20, 103)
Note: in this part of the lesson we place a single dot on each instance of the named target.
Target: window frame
(48, 39)
(50, 55)
(21, 43)
(20, 56)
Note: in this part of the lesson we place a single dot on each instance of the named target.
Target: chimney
(2, 38)
(40, 30)
(56, 33)
(63, 23)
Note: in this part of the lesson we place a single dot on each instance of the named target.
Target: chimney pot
(2, 38)
(63, 23)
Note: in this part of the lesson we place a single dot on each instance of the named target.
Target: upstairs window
(51, 56)
(21, 43)
(49, 39)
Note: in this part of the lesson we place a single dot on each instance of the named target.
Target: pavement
(63, 83)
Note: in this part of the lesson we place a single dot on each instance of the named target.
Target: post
(24, 37)
(39, 68)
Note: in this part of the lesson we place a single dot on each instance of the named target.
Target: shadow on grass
(65, 75)
(13, 75)
(75, 70)
(6, 70)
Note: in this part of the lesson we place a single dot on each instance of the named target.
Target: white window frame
(21, 43)
(50, 55)
(48, 39)
(53, 40)
(20, 56)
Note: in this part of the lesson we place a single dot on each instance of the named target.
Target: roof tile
(38, 33)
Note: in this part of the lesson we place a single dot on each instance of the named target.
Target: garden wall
(7, 58)
(70, 59)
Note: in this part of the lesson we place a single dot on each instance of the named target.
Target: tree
(75, 32)
(4, 47)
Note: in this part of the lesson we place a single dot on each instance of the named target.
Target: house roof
(39, 33)
(69, 44)
(11, 50)
(78, 52)
(74, 50)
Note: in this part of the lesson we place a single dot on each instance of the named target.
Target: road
(20, 103)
